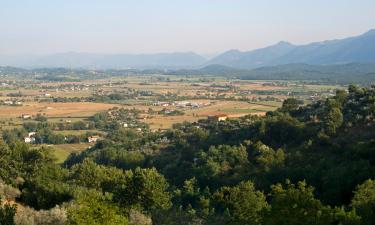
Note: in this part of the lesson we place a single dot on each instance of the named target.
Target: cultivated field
(72, 109)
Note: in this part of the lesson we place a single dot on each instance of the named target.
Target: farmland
(160, 102)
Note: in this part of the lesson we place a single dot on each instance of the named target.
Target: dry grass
(74, 109)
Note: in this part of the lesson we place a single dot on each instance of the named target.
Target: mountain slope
(360, 49)
(355, 49)
(342, 73)
(252, 59)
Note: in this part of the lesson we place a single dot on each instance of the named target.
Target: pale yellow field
(74, 109)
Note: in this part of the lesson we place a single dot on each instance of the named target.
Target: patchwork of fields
(212, 96)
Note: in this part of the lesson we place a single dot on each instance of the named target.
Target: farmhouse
(27, 139)
(93, 139)
(26, 116)
(164, 104)
(218, 118)
(30, 138)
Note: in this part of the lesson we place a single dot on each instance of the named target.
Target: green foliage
(143, 188)
(294, 204)
(265, 158)
(19, 160)
(242, 203)
(291, 104)
(92, 208)
(46, 188)
(364, 201)
(222, 165)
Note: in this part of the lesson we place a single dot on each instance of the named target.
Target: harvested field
(73, 109)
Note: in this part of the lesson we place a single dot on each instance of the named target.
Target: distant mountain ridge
(108, 61)
(360, 49)
(253, 59)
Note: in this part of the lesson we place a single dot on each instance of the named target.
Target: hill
(344, 74)
(359, 49)
(359, 73)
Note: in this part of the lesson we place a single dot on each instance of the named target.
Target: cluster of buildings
(9, 102)
(182, 104)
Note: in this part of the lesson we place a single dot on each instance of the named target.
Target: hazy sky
(149, 26)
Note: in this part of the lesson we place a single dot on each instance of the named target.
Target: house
(93, 139)
(164, 104)
(30, 138)
(27, 139)
(26, 116)
(218, 118)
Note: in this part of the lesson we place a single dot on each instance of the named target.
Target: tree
(46, 188)
(242, 203)
(333, 120)
(144, 188)
(364, 201)
(290, 105)
(223, 164)
(265, 158)
(93, 208)
(41, 118)
(295, 204)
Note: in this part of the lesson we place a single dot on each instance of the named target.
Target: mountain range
(359, 49)
(107, 61)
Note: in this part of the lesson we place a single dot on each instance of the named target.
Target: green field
(63, 151)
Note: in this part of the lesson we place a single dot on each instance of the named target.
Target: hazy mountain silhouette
(360, 49)
(106, 61)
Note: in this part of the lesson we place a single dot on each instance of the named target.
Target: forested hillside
(302, 164)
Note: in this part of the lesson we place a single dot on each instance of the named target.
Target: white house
(30, 138)
(27, 139)
(26, 116)
(93, 139)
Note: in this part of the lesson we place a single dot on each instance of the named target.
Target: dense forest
(301, 164)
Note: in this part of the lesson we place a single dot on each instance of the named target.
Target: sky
(154, 26)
